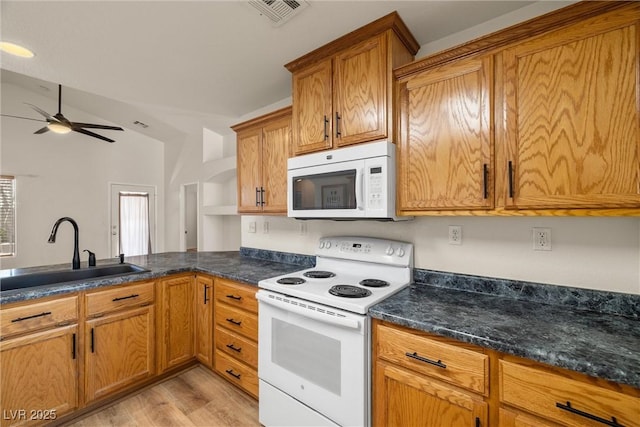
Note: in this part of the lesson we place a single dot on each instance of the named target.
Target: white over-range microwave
(356, 182)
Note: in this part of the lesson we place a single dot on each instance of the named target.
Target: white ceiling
(182, 65)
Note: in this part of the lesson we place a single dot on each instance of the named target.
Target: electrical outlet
(455, 234)
(252, 227)
(303, 228)
(265, 227)
(541, 239)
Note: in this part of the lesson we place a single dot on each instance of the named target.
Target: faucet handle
(121, 256)
(92, 258)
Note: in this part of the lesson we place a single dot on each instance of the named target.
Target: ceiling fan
(60, 124)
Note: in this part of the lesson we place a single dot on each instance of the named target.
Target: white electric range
(314, 335)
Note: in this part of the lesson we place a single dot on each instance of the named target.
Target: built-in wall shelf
(220, 210)
(219, 170)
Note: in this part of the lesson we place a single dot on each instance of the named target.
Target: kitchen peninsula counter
(602, 345)
(244, 266)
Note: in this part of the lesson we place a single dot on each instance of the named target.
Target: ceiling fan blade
(93, 126)
(41, 130)
(95, 135)
(25, 118)
(46, 115)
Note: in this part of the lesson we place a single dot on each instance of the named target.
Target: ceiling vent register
(279, 11)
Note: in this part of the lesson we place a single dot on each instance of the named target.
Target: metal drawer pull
(414, 355)
(234, 297)
(569, 408)
(233, 374)
(20, 319)
(234, 348)
(121, 298)
(235, 322)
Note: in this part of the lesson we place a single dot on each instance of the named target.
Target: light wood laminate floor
(196, 397)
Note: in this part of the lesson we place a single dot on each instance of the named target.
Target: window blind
(7, 215)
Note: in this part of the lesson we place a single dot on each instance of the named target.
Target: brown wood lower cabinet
(120, 351)
(236, 334)
(39, 376)
(176, 321)
(424, 380)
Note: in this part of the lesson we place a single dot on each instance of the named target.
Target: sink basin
(52, 277)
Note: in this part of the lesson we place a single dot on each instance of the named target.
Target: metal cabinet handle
(20, 319)
(73, 346)
(121, 298)
(437, 363)
(257, 197)
(613, 422)
(206, 288)
(235, 322)
(92, 341)
(485, 180)
(338, 133)
(510, 167)
(233, 374)
(326, 124)
(261, 196)
(234, 297)
(234, 348)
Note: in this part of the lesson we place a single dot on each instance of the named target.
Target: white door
(133, 219)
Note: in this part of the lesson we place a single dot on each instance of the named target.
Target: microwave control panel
(375, 195)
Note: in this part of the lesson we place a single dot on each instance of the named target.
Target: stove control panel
(367, 249)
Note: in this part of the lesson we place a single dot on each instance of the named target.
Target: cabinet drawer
(237, 347)
(563, 399)
(456, 365)
(239, 321)
(239, 374)
(237, 295)
(39, 315)
(113, 299)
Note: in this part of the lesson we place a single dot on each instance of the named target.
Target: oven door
(318, 356)
(327, 191)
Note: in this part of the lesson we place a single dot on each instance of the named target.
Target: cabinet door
(360, 93)
(204, 320)
(249, 144)
(39, 374)
(572, 118)
(119, 351)
(403, 398)
(177, 331)
(312, 121)
(445, 148)
(276, 142)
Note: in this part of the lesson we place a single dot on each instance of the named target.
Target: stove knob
(400, 252)
(327, 245)
(389, 250)
(321, 245)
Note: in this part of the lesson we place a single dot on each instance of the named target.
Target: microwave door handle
(305, 312)
(359, 190)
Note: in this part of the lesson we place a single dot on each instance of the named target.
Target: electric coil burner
(318, 274)
(374, 283)
(348, 291)
(291, 281)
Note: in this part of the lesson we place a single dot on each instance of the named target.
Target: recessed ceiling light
(16, 49)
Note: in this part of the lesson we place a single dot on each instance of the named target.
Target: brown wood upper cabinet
(537, 119)
(445, 146)
(571, 117)
(263, 147)
(342, 92)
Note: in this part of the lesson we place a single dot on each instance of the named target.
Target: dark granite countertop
(230, 265)
(597, 344)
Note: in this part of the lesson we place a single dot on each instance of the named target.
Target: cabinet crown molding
(259, 121)
(391, 21)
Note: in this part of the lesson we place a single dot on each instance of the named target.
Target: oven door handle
(305, 312)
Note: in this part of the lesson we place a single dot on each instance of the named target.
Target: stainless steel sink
(52, 277)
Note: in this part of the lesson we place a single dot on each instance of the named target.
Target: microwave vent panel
(279, 11)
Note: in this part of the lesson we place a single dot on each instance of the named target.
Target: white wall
(68, 175)
(595, 253)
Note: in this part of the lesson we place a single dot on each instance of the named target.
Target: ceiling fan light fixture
(60, 128)
(16, 50)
